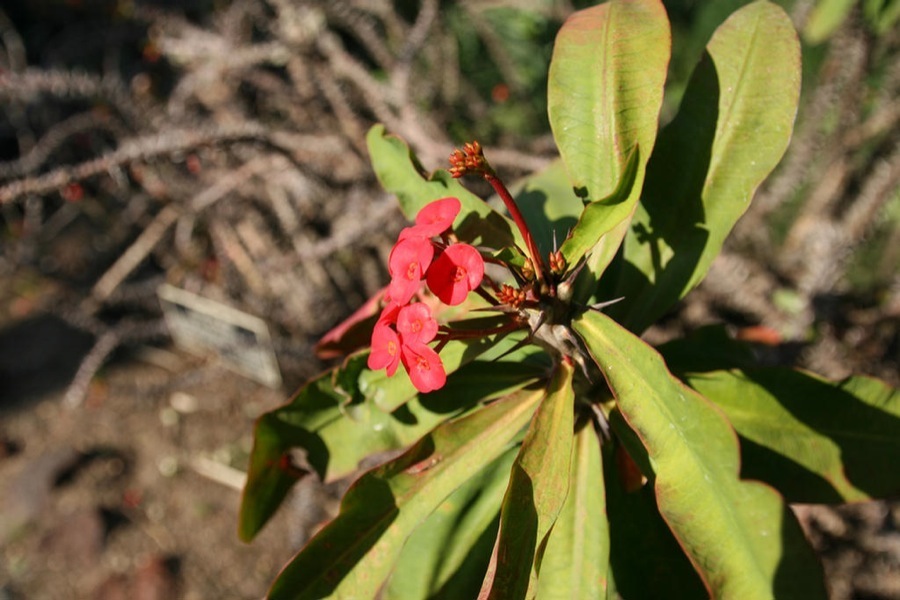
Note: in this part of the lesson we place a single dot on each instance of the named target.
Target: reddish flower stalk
(471, 160)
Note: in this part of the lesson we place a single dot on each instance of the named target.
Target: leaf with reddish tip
(740, 535)
(354, 554)
(537, 491)
(605, 91)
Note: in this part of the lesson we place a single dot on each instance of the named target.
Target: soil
(114, 499)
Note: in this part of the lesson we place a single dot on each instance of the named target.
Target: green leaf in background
(575, 563)
(446, 556)
(710, 159)
(536, 493)
(604, 91)
(353, 555)
(824, 19)
(882, 14)
(741, 537)
(399, 173)
(813, 440)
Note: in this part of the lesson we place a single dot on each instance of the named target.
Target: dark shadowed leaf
(812, 439)
(447, 555)
(645, 558)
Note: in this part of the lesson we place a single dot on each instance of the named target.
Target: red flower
(426, 371)
(456, 272)
(416, 325)
(434, 218)
(386, 349)
(407, 264)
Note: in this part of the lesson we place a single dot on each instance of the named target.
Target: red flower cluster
(403, 330)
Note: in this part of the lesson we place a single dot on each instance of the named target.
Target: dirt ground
(131, 495)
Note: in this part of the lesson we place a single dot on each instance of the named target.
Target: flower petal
(409, 260)
(456, 272)
(436, 217)
(416, 324)
(425, 368)
(386, 350)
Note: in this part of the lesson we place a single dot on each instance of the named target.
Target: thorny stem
(465, 334)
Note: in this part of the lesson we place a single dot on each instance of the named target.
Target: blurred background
(218, 147)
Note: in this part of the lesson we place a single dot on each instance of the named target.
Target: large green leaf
(741, 537)
(353, 555)
(400, 173)
(814, 440)
(575, 562)
(605, 90)
(447, 555)
(733, 126)
(537, 490)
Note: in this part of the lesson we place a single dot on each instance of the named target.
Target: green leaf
(733, 127)
(447, 555)
(741, 537)
(605, 90)
(536, 493)
(600, 230)
(882, 15)
(825, 18)
(575, 563)
(813, 440)
(353, 555)
(399, 172)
